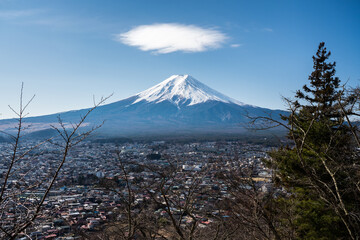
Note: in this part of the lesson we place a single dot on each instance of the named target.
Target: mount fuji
(180, 104)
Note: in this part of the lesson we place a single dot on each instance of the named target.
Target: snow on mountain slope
(182, 90)
(178, 105)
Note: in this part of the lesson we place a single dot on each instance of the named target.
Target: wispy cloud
(172, 37)
(11, 14)
(236, 45)
(50, 18)
(267, 29)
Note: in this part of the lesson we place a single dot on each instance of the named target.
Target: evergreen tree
(323, 90)
(320, 171)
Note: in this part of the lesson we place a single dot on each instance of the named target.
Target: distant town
(90, 191)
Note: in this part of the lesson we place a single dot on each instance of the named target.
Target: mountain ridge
(176, 105)
(186, 88)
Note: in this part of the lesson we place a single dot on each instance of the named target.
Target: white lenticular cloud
(171, 37)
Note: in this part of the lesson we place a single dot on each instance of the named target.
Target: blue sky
(66, 51)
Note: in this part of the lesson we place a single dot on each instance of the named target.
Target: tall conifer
(316, 171)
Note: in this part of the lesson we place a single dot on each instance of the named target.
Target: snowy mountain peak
(182, 90)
